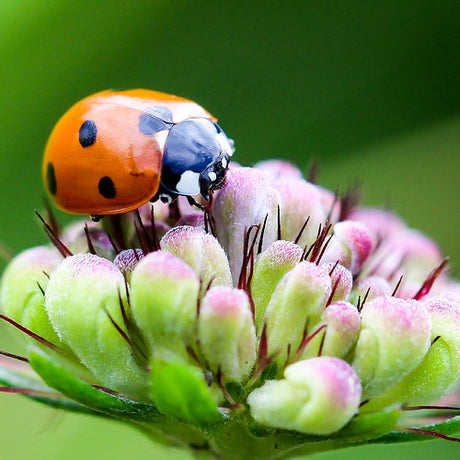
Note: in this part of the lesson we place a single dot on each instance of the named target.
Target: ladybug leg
(194, 203)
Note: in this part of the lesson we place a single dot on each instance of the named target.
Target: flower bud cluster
(277, 308)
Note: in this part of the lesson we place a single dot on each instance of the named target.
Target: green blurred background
(370, 89)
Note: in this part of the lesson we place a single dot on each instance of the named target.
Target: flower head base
(273, 322)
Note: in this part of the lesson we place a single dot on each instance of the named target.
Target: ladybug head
(196, 157)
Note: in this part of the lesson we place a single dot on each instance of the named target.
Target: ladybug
(114, 151)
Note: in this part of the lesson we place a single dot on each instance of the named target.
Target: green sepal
(23, 377)
(180, 391)
(448, 428)
(237, 391)
(369, 426)
(270, 372)
(98, 400)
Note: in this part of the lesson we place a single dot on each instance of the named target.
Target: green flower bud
(394, 338)
(202, 252)
(297, 303)
(270, 267)
(278, 169)
(164, 296)
(439, 371)
(22, 287)
(317, 396)
(81, 294)
(226, 333)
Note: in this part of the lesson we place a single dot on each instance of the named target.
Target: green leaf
(180, 391)
(95, 399)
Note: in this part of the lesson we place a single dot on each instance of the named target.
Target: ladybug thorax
(196, 156)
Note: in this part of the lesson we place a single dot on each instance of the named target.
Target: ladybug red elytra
(114, 151)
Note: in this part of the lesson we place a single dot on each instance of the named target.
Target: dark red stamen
(449, 408)
(29, 392)
(34, 336)
(41, 289)
(434, 434)
(91, 248)
(13, 356)
(302, 229)
(334, 202)
(126, 337)
(248, 249)
(278, 216)
(53, 222)
(263, 360)
(333, 290)
(333, 268)
(431, 278)
(262, 234)
(349, 201)
(398, 285)
(220, 383)
(321, 345)
(54, 238)
(155, 239)
(307, 339)
(313, 171)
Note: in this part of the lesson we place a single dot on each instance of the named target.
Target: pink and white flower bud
(317, 396)
(299, 200)
(194, 219)
(127, 260)
(297, 303)
(331, 204)
(343, 326)
(202, 252)
(370, 288)
(341, 280)
(380, 222)
(278, 169)
(394, 338)
(247, 198)
(352, 244)
(439, 371)
(76, 239)
(80, 293)
(444, 313)
(281, 257)
(421, 254)
(164, 296)
(226, 333)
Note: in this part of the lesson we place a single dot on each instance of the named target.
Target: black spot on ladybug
(150, 124)
(87, 133)
(51, 179)
(106, 187)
